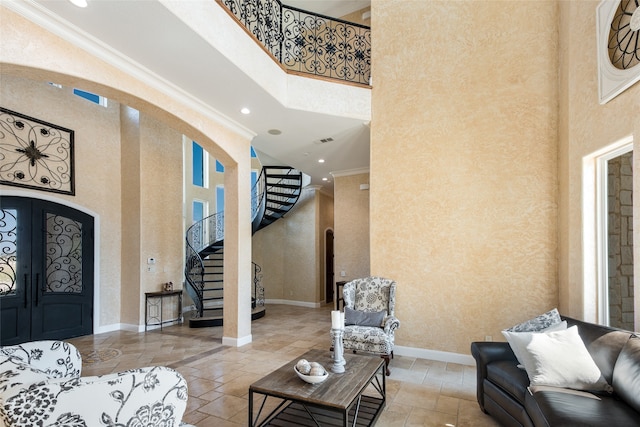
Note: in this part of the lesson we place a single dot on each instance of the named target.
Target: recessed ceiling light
(245, 110)
(320, 160)
(79, 3)
(274, 131)
(325, 179)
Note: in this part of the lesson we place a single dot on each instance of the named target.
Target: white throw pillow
(560, 359)
(519, 340)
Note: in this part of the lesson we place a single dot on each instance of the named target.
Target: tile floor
(419, 392)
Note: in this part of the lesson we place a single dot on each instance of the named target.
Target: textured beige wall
(131, 225)
(268, 251)
(585, 127)
(301, 242)
(463, 166)
(351, 227)
(162, 235)
(291, 250)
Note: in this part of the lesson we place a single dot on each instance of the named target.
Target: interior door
(46, 271)
(329, 273)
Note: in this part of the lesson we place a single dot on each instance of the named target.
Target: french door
(46, 271)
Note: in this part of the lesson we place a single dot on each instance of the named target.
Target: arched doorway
(46, 271)
(329, 266)
(59, 60)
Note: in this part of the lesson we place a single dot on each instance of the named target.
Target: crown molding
(349, 172)
(61, 28)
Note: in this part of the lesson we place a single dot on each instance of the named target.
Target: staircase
(276, 191)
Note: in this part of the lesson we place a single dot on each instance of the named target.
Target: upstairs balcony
(305, 42)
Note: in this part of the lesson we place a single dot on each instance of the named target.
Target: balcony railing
(307, 42)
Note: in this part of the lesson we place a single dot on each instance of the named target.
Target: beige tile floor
(419, 392)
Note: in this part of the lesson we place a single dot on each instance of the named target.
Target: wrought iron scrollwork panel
(306, 42)
(64, 254)
(258, 289)
(35, 154)
(624, 36)
(8, 251)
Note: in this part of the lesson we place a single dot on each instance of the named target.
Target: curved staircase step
(214, 317)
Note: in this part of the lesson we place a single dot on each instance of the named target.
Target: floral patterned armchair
(371, 295)
(40, 384)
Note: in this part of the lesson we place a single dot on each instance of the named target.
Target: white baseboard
(129, 327)
(296, 303)
(442, 356)
(118, 327)
(422, 353)
(237, 342)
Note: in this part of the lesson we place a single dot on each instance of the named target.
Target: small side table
(156, 300)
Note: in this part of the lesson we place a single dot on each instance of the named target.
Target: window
(198, 165)
(607, 237)
(219, 167)
(620, 289)
(96, 99)
(199, 210)
(220, 198)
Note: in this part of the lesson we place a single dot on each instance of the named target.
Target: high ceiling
(146, 33)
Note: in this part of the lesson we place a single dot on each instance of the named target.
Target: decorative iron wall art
(35, 154)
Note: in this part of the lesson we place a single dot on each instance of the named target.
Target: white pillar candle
(335, 319)
(342, 320)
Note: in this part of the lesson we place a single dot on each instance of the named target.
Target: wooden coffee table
(338, 401)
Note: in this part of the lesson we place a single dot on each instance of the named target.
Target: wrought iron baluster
(307, 42)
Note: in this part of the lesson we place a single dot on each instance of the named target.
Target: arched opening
(54, 60)
(328, 265)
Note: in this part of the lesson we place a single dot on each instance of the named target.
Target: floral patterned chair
(370, 323)
(40, 384)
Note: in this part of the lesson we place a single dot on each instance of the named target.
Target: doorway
(620, 283)
(328, 277)
(46, 271)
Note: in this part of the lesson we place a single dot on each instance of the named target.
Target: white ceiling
(148, 34)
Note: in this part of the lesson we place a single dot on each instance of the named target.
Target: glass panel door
(46, 271)
(64, 255)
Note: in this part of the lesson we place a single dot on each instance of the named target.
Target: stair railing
(200, 235)
(210, 230)
(290, 195)
(258, 194)
(307, 42)
(258, 290)
(205, 233)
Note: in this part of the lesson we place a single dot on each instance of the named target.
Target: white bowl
(311, 379)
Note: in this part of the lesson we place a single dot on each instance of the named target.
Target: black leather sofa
(504, 391)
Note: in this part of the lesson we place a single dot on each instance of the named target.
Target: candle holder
(338, 351)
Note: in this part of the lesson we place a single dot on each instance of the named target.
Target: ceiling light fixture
(245, 110)
(320, 160)
(274, 131)
(325, 179)
(79, 3)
